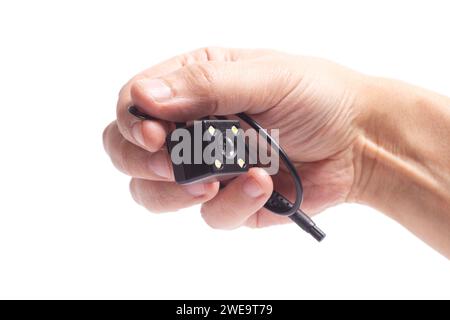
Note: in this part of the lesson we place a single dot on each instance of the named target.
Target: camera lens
(228, 148)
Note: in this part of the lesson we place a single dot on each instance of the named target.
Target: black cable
(274, 205)
(277, 203)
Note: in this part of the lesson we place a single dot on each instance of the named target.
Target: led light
(241, 162)
(234, 130)
(218, 164)
(211, 130)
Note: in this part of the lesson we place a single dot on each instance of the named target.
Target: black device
(222, 137)
(218, 169)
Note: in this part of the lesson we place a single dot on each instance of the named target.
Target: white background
(68, 226)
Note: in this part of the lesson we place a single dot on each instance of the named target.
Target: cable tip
(317, 234)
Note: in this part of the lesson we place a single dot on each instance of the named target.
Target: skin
(352, 137)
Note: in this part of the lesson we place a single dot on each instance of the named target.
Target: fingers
(135, 161)
(207, 81)
(149, 134)
(134, 130)
(153, 185)
(219, 88)
(159, 196)
(131, 127)
(239, 200)
(264, 218)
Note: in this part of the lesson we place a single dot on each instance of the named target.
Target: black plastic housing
(191, 172)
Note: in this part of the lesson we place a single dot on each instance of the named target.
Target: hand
(314, 103)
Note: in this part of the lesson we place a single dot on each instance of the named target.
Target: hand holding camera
(344, 133)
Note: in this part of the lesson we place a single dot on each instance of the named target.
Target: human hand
(313, 102)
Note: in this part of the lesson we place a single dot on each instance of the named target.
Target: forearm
(402, 158)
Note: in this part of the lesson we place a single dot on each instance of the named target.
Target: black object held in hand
(277, 203)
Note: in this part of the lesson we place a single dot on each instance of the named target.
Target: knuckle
(201, 74)
(211, 53)
(208, 53)
(186, 59)
(201, 78)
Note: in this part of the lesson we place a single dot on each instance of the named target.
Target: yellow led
(234, 130)
(241, 163)
(211, 130)
(218, 164)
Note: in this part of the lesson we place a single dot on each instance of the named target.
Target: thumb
(214, 88)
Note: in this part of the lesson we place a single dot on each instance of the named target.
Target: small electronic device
(223, 137)
(225, 147)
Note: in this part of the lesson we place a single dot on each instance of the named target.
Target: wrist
(396, 152)
(375, 140)
(402, 156)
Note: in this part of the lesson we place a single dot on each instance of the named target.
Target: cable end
(316, 233)
(305, 222)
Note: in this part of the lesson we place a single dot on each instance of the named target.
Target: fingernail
(252, 188)
(156, 89)
(158, 163)
(136, 131)
(196, 189)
